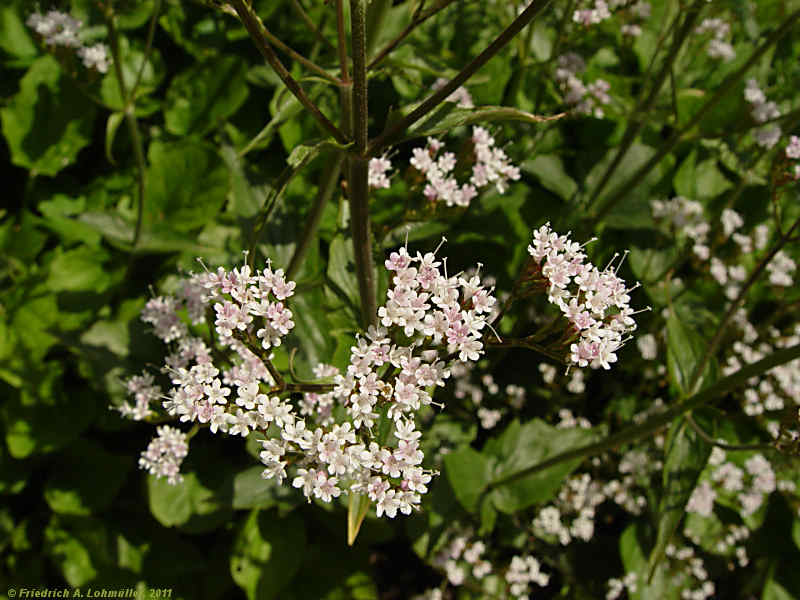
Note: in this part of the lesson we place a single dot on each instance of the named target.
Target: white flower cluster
(165, 453)
(485, 389)
(461, 557)
(523, 571)
(60, 29)
(686, 217)
(491, 166)
(762, 110)
(376, 173)
(592, 15)
(595, 302)
(575, 385)
(432, 314)
(641, 10)
(771, 391)
(793, 153)
(460, 96)
(750, 486)
(144, 391)
(717, 47)
(617, 586)
(732, 543)
(692, 573)
(572, 515)
(586, 99)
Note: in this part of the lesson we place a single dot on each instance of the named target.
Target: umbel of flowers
(429, 320)
(595, 302)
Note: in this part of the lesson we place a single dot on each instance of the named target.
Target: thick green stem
(327, 187)
(633, 434)
(358, 188)
(534, 8)
(727, 86)
(259, 34)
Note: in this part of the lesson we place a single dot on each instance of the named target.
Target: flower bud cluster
(572, 515)
(485, 389)
(793, 154)
(749, 486)
(60, 29)
(717, 47)
(490, 166)
(762, 110)
(595, 302)
(691, 573)
(640, 10)
(617, 586)
(585, 99)
(460, 95)
(686, 218)
(165, 453)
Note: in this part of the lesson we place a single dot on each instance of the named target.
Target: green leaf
(187, 184)
(48, 122)
(357, 508)
(549, 170)
(77, 270)
(206, 94)
(131, 62)
(662, 585)
(448, 116)
(633, 211)
(15, 38)
(686, 457)
(114, 121)
(524, 446)
(267, 553)
(251, 490)
(685, 348)
(469, 473)
(342, 270)
(86, 479)
(118, 231)
(188, 503)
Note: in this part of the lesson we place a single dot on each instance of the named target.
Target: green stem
(148, 49)
(726, 87)
(259, 34)
(637, 432)
(534, 8)
(358, 189)
(342, 42)
(730, 447)
(132, 124)
(327, 187)
(310, 23)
